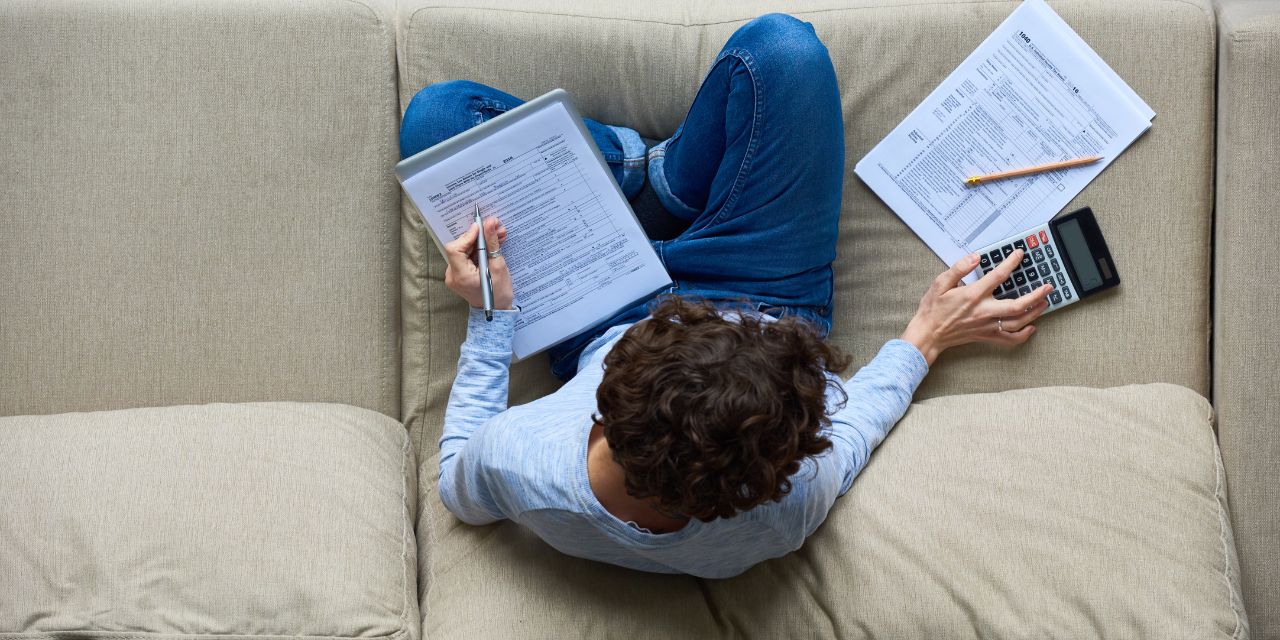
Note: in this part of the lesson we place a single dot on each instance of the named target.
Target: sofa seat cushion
(273, 519)
(1055, 512)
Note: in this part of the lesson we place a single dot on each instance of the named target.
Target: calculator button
(1021, 244)
(1055, 297)
(1037, 255)
(1062, 280)
(1008, 285)
(1056, 266)
(996, 256)
(1032, 275)
(986, 271)
(1022, 291)
(1032, 242)
(1066, 292)
(1007, 249)
(1026, 261)
(1044, 270)
(1044, 238)
(1019, 278)
(985, 261)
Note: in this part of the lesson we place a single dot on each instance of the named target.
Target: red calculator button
(1031, 242)
(1044, 237)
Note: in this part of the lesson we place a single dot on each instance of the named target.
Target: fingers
(1013, 338)
(951, 278)
(1001, 272)
(1020, 304)
(1016, 323)
(458, 252)
(493, 234)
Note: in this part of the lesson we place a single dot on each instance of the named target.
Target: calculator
(1068, 252)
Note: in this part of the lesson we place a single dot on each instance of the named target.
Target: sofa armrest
(1246, 335)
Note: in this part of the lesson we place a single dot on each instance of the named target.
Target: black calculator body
(1068, 251)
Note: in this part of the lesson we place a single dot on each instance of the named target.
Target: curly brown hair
(711, 416)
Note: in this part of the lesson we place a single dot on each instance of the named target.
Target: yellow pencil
(1052, 166)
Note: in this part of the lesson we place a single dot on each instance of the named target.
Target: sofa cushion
(197, 204)
(641, 63)
(1056, 512)
(274, 519)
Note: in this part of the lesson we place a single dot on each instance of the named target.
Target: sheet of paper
(1033, 92)
(575, 250)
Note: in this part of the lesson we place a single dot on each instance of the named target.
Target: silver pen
(486, 280)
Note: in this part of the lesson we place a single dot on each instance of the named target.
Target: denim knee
(442, 110)
(779, 43)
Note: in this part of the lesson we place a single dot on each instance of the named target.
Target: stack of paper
(576, 253)
(1033, 92)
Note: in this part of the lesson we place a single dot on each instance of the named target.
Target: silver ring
(1000, 325)
(495, 254)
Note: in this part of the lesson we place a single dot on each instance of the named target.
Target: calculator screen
(1077, 249)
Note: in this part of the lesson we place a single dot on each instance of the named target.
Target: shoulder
(531, 458)
(814, 489)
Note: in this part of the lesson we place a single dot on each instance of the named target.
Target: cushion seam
(387, 392)
(147, 635)
(423, 278)
(1219, 500)
(413, 16)
(404, 531)
(415, 13)
(422, 300)
(387, 396)
(1252, 35)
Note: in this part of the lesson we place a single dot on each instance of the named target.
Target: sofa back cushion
(640, 65)
(196, 204)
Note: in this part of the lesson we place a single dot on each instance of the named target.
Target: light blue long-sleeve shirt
(529, 463)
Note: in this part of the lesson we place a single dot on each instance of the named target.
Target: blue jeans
(756, 167)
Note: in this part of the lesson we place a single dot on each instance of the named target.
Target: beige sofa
(197, 206)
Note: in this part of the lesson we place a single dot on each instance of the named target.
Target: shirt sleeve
(479, 393)
(879, 394)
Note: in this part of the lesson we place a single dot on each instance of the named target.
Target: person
(705, 430)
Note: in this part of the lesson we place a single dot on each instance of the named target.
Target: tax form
(575, 250)
(1033, 92)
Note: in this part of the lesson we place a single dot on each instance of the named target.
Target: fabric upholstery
(1092, 513)
(272, 519)
(1246, 338)
(640, 64)
(197, 204)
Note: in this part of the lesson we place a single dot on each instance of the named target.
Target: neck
(608, 482)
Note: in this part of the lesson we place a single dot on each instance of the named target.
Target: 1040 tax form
(1032, 93)
(575, 250)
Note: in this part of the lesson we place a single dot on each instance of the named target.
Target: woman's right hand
(462, 275)
(951, 315)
